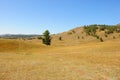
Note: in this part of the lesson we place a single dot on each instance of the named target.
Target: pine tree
(60, 38)
(101, 39)
(46, 38)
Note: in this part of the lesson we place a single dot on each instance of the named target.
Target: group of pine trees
(92, 29)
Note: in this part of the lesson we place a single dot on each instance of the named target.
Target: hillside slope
(78, 36)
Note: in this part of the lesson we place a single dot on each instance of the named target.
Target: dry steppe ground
(31, 60)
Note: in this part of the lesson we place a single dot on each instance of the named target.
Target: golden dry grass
(84, 61)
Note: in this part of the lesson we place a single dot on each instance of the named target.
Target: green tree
(46, 38)
(96, 36)
(60, 38)
(106, 35)
(101, 39)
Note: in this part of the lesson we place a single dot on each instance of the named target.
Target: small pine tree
(82, 37)
(60, 38)
(101, 39)
(46, 38)
(106, 35)
(96, 36)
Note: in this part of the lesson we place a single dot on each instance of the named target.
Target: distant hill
(16, 36)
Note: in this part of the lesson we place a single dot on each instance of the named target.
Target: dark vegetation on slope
(109, 29)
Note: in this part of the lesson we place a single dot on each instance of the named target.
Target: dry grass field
(31, 60)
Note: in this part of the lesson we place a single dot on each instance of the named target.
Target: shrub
(109, 31)
(106, 35)
(96, 36)
(91, 29)
(102, 28)
(60, 38)
(82, 37)
(101, 39)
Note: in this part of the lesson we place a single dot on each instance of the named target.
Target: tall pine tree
(46, 38)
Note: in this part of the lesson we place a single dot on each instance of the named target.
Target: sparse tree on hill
(46, 38)
(82, 37)
(101, 39)
(60, 38)
(106, 35)
(96, 36)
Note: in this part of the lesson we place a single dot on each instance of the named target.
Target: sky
(36, 16)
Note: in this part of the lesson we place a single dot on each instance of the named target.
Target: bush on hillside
(101, 40)
(60, 38)
(106, 35)
(96, 36)
(82, 37)
(91, 29)
(78, 37)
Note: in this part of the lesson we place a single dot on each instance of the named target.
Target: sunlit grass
(91, 61)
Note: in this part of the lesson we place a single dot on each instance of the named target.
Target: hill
(17, 36)
(86, 34)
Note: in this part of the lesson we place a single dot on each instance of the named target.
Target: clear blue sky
(35, 16)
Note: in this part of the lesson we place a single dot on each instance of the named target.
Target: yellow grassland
(31, 60)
